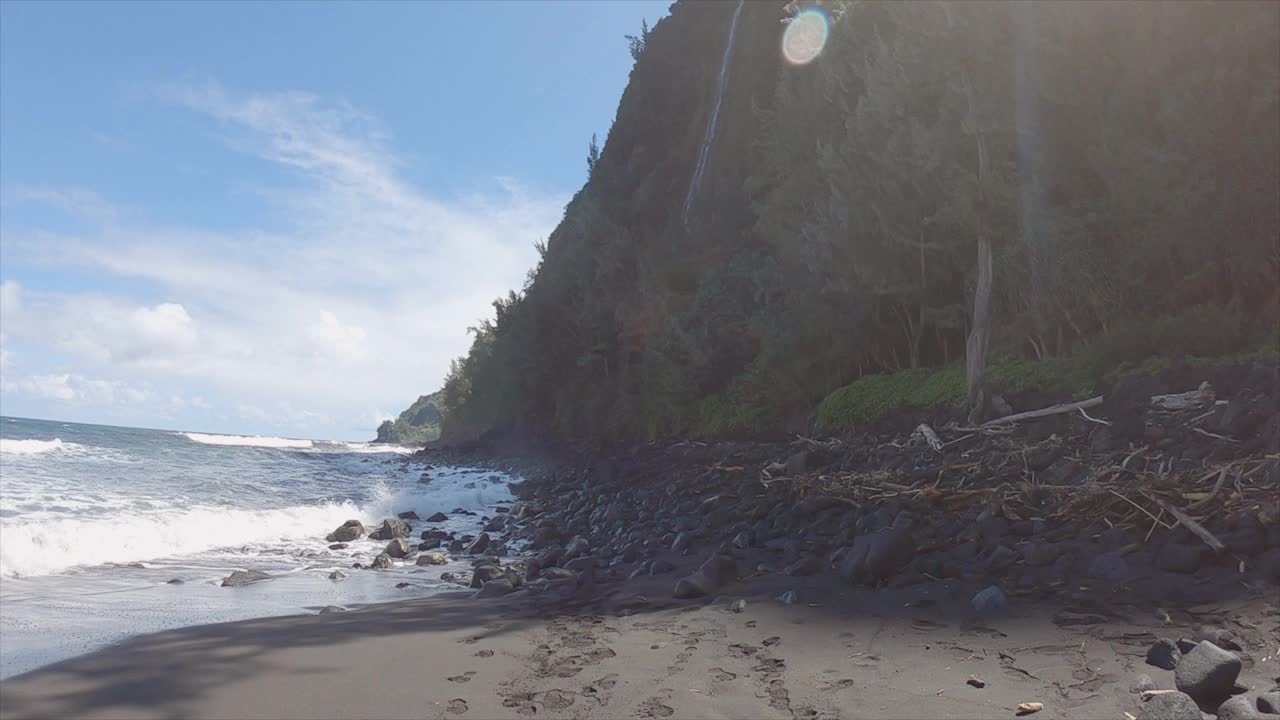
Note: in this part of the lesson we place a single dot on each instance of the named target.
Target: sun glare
(805, 36)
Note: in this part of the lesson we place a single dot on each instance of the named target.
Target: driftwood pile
(1178, 472)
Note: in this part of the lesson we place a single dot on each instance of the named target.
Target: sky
(280, 218)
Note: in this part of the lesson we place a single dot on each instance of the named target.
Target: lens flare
(805, 36)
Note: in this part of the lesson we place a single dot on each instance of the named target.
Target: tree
(637, 43)
(593, 155)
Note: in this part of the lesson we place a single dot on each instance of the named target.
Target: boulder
(1208, 673)
(480, 544)
(484, 574)
(431, 544)
(348, 531)
(338, 546)
(438, 518)
(382, 562)
(717, 571)
(1169, 706)
(682, 542)
(557, 573)
(327, 609)
(807, 565)
(495, 588)
(1238, 708)
(409, 515)
(398, 548)
(337, 575)
(433, 558)
(244, 577)
(989, 600)
(1164, 654)
(874, 558)
(391, 529)
(1269, 702)
(1180, 558)
(661, 566)
(1109, 566)
(583, 564)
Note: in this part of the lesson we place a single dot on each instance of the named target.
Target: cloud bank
(338, 312)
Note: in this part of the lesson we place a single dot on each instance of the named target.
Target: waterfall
(709, 135)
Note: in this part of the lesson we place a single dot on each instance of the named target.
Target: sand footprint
(653, 707)
(465, 677)
(557, 699)
(457, 706)
(722, 675)
(484, 653)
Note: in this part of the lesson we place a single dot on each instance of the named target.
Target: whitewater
(106, 532)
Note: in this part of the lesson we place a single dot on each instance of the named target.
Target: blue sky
(279, 218)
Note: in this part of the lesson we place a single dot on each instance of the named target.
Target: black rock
(807, 565)
(682, 542)
(1109, 566)
(456, 546)
(348, 531)
(717, 571)
(480, 544)
(431, 544)
(1185, 646)
(438, 518)
(1039, 553)
(337, 575)
(176, 581)
(495, 588)
(1180, 558)
(1238, 708)
(661, 566)
(400, 585)
(1169, 706)
(244, 577)
(398, 548)
(409, 515)
(338, 546)
(1141, 683)
(1208, 673)
(391, 529)
(382, 562)
(1164, 654)
(1001, 558)
(1224, 639)
(329, 609)
(873, 558)
(1269, 702)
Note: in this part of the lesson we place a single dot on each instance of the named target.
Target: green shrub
(874, 396)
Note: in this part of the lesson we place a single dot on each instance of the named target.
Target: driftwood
(1184, 401)
(1044, 412)
(930, 437)
(1189, 523)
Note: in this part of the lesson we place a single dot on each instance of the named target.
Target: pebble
(1141, 683)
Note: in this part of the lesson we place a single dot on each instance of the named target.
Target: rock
(576, 547)
(1224, 639)
(717, 571)
(1185, 646)
(797, 464)
(1001, 558)
(738, 605)
(401, 585)
(244, 577)
(431, 544)
(1141, 683)
(557, 573)
(660, 566)
(391, 529)
(327, 609)
(1037, 554)
(873, 558)
(409, 515)
(1109, 566)
(1208, 673)
(484, 574)
(382, 562)
(790, 597)
(348, 531)
(495, 588)
(1180, 558)
(338, 546)
(1164, 654)
(807, 565)
(1169, 706)
(175, 581)
(480, 544)
(456, 546)
(1238, 708)
(583, 564)
(742, 540)
(1269, 702)
(433, 558)
(438, 518)
(988, 600)
(398, 548)
(544, 536)
(682, 542)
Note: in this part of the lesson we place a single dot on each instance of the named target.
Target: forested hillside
(418, 424)
(1117, 160)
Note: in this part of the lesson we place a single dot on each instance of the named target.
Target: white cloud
(358, 301)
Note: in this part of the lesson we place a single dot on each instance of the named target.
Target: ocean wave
(368, 448)
(9, 446)
(30, 546)
(247, 441)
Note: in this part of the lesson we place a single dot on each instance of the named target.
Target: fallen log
(1189, 523)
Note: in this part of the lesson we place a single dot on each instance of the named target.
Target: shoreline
(857, 577)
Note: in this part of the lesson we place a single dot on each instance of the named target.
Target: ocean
(108, 532)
